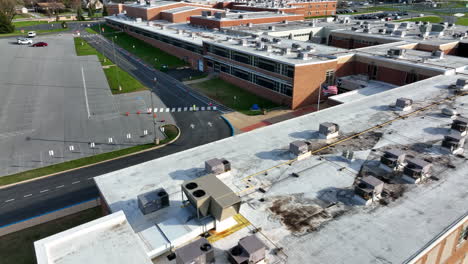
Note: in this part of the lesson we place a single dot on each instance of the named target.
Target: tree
(79, 14)
(104, 11)
(91, 9)
(7, 12)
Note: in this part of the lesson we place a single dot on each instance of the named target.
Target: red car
(40, 44)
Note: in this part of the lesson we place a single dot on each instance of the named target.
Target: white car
(24, 41)
(31, 34)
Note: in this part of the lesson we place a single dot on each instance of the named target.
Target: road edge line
(229, 124)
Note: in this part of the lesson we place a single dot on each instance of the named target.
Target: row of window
(265, 64)
(251, 77)
(162, 38)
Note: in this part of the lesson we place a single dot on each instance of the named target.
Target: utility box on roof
(454, 142)
(250, 249)
(369, 189)
(460, 124)
(392, 159)
(300, 148)
(329, 130)
(404, 104)
(416, 170)
(199, 251)
(217, 166)
(153, 201)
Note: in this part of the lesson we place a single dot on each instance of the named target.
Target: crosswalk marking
(176, 109)
(155, 110)
(167, 109)
(179, 109)
(173, 110)
(161, 110)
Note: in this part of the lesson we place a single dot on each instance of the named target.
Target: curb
(229, 124)
(89, 165)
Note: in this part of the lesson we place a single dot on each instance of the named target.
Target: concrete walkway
(209, 77)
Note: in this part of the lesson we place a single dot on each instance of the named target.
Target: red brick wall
(256, 89)
(340, 43)
(114, 9)
(182, 16)
(217, 24)
(176, 51)
(307, 81)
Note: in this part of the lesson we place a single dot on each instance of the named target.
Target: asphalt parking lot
(54, 101)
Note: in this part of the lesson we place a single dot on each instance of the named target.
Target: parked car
(24, 41)
(40, 44)
(31, 34)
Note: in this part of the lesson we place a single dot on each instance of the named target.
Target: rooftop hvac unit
(437, 54)
(416, 170)
(277, 40)
(285, 51)
(460, 124)
(268, 48)
(382, 31)
(449, 112)
(260, 45)
(217, 166)
(153, 201)
(250, 249)
(295, 46)
(329, 130)
(461, 84)
(310, 48)
(367, 30)
(299, 147)
(303, 55)
(285, 22)
(393, 159)
(272, 28)
(206, 13)
(396, 53)
(369, 188)
(243, 42)
(404, 104)
(454, 142)
(220, 15)
(138, 19)
(199, 251)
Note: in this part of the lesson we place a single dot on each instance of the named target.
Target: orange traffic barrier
(138, 112)
(127, 113)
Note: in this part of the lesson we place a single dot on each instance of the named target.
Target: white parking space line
(173, 110)
(10, 200)
(203, 108)
(59, 186)
(43, 191)
(167, 110)
(85, 92)
(155, 110)
(179, 109)
(75, 182)
(27, 195)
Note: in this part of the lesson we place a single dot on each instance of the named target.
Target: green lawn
(33, 23)
(232, 96)
(171, 132)
(115, 76)
(432, 19)
(463, 21)
(18, 247)
(90, 30)
(150, 54)
(22, 16)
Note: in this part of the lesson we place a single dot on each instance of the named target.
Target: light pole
(156, 141)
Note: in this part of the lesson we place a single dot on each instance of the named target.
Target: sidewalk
(244, 123)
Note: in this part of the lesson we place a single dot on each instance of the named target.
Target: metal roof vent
(153, 201)
(217, 166)
(396, 53)
(454, 142)
(382, 30)
(329, 130)
(416, 170)
(300, 148)
(249, 250)
(271, 28)
(277, 40)
(199, 251)
(368, 189)
(461, 84)
(403, 104)
(438, 54)
(268, 48)
(285, 51)
(460, 124)
(392, 160)
(303, 55)
(452, 112)
(260, 45)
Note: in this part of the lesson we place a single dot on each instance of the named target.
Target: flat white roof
(313, 217)
(109, 239)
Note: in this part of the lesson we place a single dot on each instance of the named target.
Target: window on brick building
(330, 77)
(411, 77)
(310, 13)
(463, 235)
(372, 71)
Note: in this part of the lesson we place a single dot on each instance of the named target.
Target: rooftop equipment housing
(199, 251)
(300, 148)
(454, 142)
(368, 189)
(393, 160)
(404, 104)
(461, 84)
(329, 130)
(210, 196)
(460, 124)
(250, 249)
(416, 170)
(153, 201)
(396, 53)
(217, 166)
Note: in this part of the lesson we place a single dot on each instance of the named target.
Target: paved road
(30, 199)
